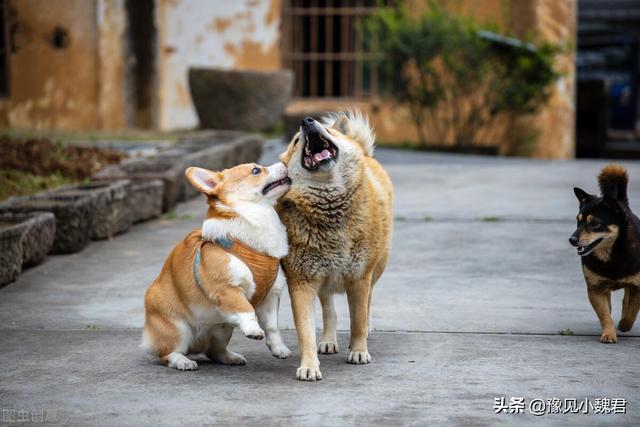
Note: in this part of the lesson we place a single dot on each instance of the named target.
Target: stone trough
(38, 235)
(214, 150)
(74, 217)
(168, 170)
(145, 199)
(112, 205)
(11, 234)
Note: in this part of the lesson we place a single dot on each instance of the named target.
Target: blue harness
(225, 243)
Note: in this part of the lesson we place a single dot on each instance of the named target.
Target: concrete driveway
(480, 283)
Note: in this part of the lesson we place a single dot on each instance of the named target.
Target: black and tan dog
(608, 240)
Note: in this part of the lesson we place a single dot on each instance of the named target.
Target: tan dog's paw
(308, 374)
(327, 347)
(359, 357)
(609, 337)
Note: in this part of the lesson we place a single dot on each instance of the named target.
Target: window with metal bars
(326, 50)
(4, 51)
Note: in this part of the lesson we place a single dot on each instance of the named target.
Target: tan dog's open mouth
(317, 150)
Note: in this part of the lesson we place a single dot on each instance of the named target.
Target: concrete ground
(480, 282)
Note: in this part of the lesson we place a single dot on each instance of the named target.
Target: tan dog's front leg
(601, 302)
(358, 297)
(630, 307)
(303, 296)
(329, 342)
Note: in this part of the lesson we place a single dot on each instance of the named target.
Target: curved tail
(613, 180)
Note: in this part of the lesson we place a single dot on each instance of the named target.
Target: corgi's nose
(307, 121)
(573, 240)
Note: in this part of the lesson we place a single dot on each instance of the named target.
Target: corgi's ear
(342, 125)
(583, 196)
(204, 180)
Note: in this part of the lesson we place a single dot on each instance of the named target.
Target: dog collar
(264, 268)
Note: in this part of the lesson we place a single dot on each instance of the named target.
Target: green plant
(459, 82)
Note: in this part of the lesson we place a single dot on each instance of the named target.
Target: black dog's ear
(611, 204)
(582, 195)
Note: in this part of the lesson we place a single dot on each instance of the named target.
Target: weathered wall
(551, 21)
(70, 81)
(240, 34)
(53, 87)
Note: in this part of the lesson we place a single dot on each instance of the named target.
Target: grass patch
(91, 328)
(400, 218)
(566, 332)
(172, 216)
(274, 131)
(490, 219)
(129, 135)
(15, 183)
(427, 218)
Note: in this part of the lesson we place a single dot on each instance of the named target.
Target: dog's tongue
(324, 154)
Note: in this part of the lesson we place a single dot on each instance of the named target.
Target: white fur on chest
(257, 226)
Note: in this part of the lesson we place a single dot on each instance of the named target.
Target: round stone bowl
(239, 100)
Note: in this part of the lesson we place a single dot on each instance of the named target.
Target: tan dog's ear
(342, 125)
(284, 157)
(204, 180)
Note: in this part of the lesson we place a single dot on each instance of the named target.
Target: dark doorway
(608, 79)
(141, 35)
(4, 51)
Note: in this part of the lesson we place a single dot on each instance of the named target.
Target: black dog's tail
(613, 180)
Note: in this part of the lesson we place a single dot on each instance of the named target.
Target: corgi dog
(224, 276)
(607, 239)
(338, 215)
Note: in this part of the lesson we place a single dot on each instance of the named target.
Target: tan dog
(213, 279)
(339, 221)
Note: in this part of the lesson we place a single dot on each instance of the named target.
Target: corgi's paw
(328, 347)
(279, 349)
(609, 337)
(231, 358)
(181, 362)
(312, 373)
(359, 357)
(625, 325)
